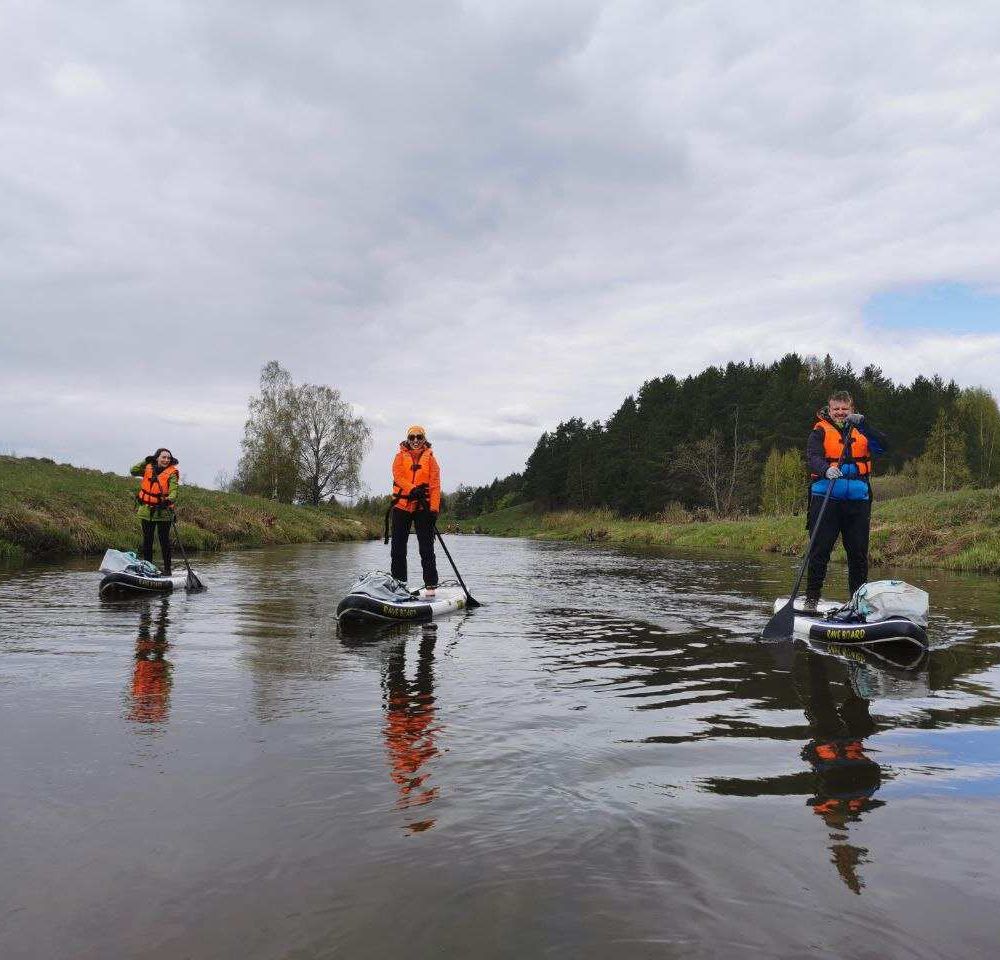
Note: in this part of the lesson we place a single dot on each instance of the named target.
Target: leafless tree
(720, 468)
(300, 442)
(332, 443)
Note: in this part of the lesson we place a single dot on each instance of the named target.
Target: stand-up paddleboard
(816, 626)
(376, 598)
(122, 584)
(124, 575)
(360, 608)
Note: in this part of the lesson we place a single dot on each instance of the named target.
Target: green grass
(959, 530)
(50, 510)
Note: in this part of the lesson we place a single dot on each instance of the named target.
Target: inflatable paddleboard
(361, 608)
(122, 584)
(125, 573)
(815, 626)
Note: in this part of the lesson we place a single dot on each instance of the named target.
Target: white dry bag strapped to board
(885, 599)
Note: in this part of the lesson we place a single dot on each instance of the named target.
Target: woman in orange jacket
(416, 500)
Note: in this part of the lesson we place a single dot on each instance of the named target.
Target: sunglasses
(415, 436)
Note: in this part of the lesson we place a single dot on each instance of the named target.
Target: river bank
(50, 510)
(958, 530)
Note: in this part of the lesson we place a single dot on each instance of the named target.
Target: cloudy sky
(485, 216)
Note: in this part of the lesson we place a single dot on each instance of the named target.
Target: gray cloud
(486, 217)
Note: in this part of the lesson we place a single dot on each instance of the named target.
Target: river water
(598, 762)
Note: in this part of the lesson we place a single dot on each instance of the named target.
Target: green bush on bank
(958, 530)
(49, 509)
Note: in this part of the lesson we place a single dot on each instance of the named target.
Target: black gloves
(419, 492)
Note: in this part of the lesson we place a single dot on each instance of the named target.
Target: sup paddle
(782, 624)
(194, 585)
(470, 601)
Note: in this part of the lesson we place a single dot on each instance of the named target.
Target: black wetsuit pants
(162, 529)
(423, 520)
(851, 521)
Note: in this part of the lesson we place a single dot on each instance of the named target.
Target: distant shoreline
(50, 510)
(959, 530)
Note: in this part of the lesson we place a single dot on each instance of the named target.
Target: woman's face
(415, 440)
(163, 460)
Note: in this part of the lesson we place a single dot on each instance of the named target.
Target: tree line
(731, 440)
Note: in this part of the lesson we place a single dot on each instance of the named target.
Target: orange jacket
(833, 447)
(155, 487)
(410, 468)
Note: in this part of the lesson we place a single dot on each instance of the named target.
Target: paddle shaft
(193, 581)
(423, 505)
(812, 540)
(845, 437)
(472, 601)
(781, 624)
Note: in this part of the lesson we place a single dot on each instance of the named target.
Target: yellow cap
(416, 428)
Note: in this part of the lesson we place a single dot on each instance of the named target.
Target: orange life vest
(411, 468)
(833, 447)
(155, 488)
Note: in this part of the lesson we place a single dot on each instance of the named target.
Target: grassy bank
(958, 530)
(51, 510)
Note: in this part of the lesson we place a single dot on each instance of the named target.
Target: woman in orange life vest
(416, 500)
(849, 510)
(157, 495)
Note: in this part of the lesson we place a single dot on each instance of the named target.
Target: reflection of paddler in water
(151, 681)
(846, 777)
(410, 725)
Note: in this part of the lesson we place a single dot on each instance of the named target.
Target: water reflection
(661, 780)
(149, 693)
(845, 777)
(410, 729)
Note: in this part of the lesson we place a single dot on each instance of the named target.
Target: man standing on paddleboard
(839, 452)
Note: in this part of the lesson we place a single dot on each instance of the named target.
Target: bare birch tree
(719, 468)
(332, 443)
(300, 443)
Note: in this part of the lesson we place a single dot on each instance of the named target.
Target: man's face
(839, 409)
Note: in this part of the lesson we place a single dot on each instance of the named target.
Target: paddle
(470, 601)
(193, 583)
(782, 624)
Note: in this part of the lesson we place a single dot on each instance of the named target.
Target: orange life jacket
(833, 447)
(155, 488)
(410, 468)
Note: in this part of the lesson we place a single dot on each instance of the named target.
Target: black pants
(161, 528)
(424, 522)
(851, 521)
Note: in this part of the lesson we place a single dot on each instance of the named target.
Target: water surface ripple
(599, 762)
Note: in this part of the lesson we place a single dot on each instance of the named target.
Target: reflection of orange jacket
(150, 691)
(409, 734)
(410, 468)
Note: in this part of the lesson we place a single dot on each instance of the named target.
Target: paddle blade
(194, 585)
(471, 602)
(781, 625)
